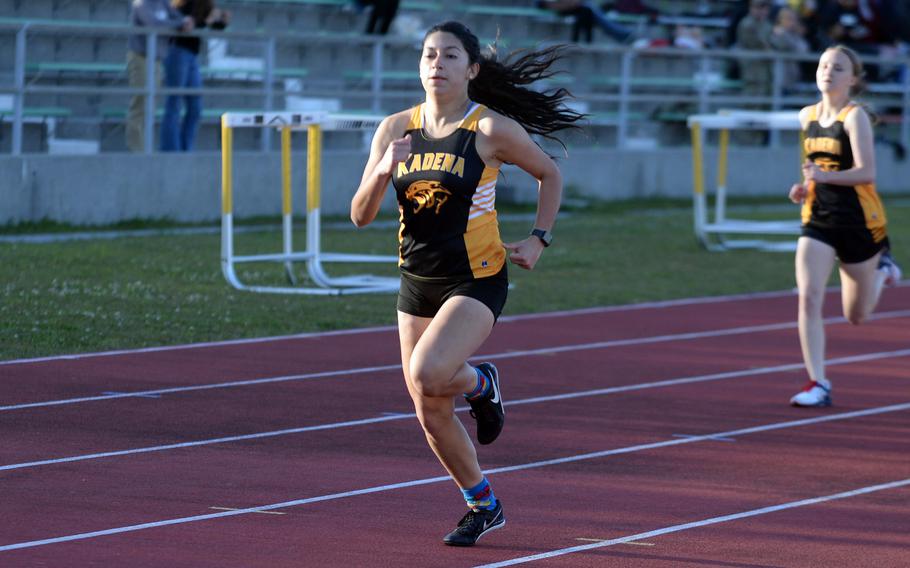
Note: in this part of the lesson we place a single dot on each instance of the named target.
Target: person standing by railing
(146, 14)
(382, 14)
(754, 34)
(181, 70)
(789, 37)
(584, 17)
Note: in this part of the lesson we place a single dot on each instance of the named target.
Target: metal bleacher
(71, 83)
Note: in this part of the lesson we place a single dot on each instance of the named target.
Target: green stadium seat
(421, 6)
(75, 67)
(119, 68)
(519, 11)
(687, 83)
(40, 112)
(358, 75)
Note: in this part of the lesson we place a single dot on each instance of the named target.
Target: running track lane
(281, 409)
(531, 426)
(632, 493)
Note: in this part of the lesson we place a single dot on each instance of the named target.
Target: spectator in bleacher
(633, 7)
(807, 12)
(735, 15)
(147, 14)
(754, 34)
(865, 26)
(852, 23)
(382, 13)
(688, 37)
(181, 70)
(584, 17)
(443, 158)
(903, 22)
(789, 37)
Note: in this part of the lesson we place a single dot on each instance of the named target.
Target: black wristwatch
(545, 237)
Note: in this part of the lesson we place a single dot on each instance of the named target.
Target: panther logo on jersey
(827, 164)
(427, 195)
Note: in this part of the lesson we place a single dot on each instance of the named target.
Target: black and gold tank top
(446, 197)
(838, 205)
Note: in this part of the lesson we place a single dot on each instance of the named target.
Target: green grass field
(103, 294)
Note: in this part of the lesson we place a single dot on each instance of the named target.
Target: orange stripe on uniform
(414, 122)
(470, 121)
(400, 235)
(485, 251)
(806, 212)
(842, 115)
(873, 210)
(489, 175)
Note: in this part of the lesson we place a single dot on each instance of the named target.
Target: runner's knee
(429, 377)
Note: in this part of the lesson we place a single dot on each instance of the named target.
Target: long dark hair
(501, 85)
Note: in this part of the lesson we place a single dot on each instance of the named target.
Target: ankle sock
(480, 496)
(482, 387)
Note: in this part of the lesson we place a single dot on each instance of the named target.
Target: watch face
(544, 236)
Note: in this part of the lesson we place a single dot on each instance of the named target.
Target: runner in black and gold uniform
(849, 218)
(443, 157)
(449, 233)
(843, 218)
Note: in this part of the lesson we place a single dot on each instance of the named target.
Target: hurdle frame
(711, 233)
(287, 122)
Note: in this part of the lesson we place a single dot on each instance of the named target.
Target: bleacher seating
(321, 56)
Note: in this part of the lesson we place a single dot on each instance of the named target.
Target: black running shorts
(423, 298)
(852, 244)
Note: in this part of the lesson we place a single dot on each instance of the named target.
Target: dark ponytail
(502, 85)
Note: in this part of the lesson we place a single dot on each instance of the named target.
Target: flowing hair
(502, 85)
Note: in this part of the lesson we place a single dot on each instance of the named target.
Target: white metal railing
(703, 96)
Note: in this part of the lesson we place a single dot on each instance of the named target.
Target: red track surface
(740, 356)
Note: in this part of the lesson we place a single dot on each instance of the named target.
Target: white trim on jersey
(483, 201)
(471, 107)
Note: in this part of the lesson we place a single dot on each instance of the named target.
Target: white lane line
(715, 439)
(223, 440)
(123, 393)
(708, 437)
(231, 384)
(389, 416)
(703, 523)
(446, 478)
(561, 313)
(604, 540)
(258, 512)
(504, 319)
(492, 356)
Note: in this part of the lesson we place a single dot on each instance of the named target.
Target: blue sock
(480, 496)
(482, 387)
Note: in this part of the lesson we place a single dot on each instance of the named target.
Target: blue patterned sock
(482, 387)
(480, 496)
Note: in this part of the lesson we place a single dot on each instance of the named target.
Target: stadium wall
(107, 188)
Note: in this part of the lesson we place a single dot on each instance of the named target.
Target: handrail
(703, 95)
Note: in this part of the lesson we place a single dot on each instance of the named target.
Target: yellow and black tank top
(446, 196)
(838, 205)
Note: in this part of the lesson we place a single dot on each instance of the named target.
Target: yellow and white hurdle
(721, 225)
(287, 122)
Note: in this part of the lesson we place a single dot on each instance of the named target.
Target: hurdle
(323, 284)
(712, 233)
